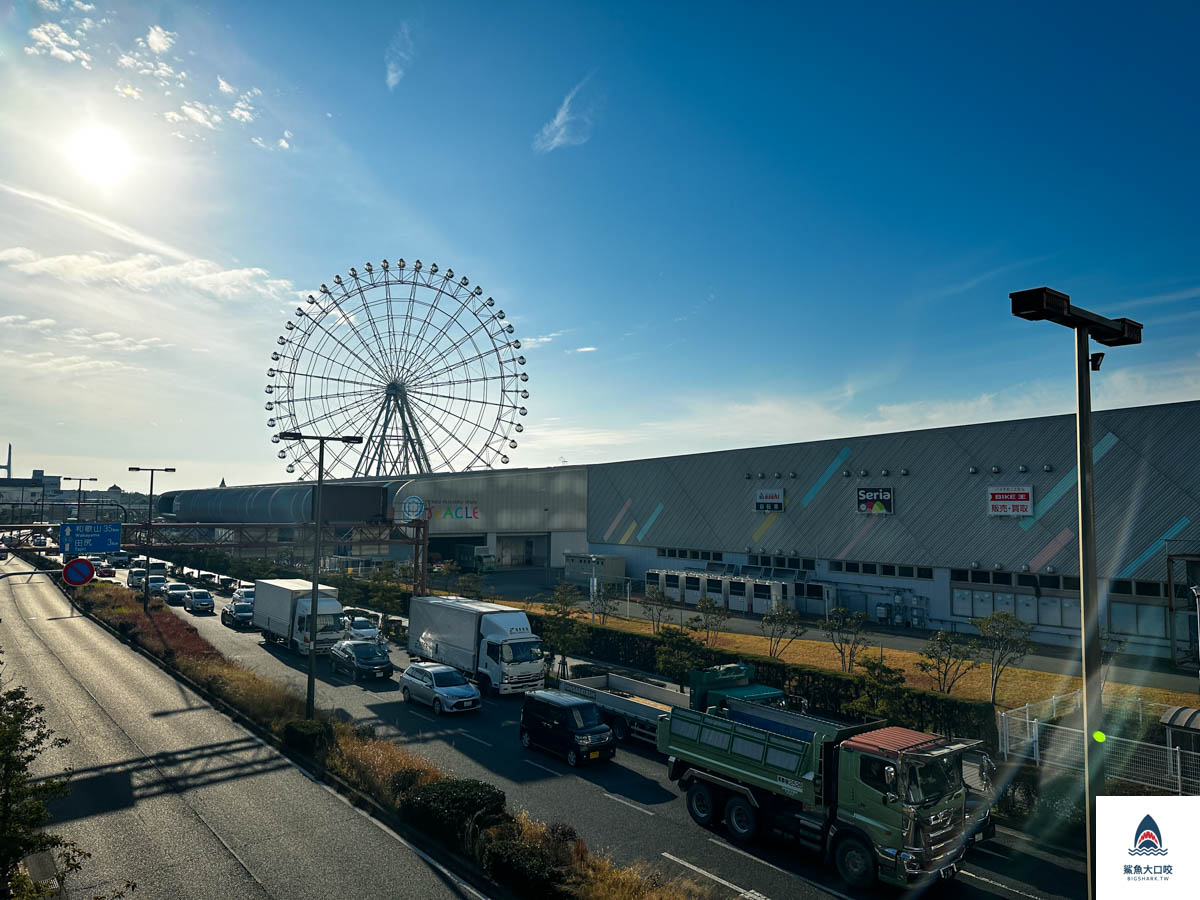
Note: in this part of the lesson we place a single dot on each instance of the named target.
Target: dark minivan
(565, 724)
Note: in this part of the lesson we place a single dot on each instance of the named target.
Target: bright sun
(99, 155)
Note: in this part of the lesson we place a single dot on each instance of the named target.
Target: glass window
(887, 569)
(753, 559)
(1027, 610)
(1122, 587)
(906, 571)
(1027, 580)
(835, 565)
(1070, 612)
(493, 652)
(1049, 611)
(762, 591)
(809, 565)
(672, 580)
(671, 552)
(961, 602)
(660, 551)
(815, 591)
(737, 589)
(691, 583)
(1070, 583)
(1002, 578)
(718, 556)
(1123, 618)
(441, 679)
(1050, 581)
(980, 576)
(779, 562)
(793, 564)
(522, 651)
(982, 602)
(851, 567)
(585, 715)
(924, 572)
(713, 586)
(693, 554)
(960, 575)
(1151, 621)
(870, 773)
(1147, 589)
(704, 554)
(869, 568)
(1003, 602)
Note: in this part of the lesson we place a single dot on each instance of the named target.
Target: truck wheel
(619, 729)
(741, 818)
(700, 803)
(855, 863)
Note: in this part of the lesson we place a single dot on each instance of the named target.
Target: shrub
(312, 737)
(447, 810)
(523, 866)
(587, 670)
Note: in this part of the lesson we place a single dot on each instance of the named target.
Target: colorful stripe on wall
(811, 494)
(650, 521)
(617, 520)
(1056, 493)
(867, 526)
(764, 527)
(1048, 552)
(628, 533)
(1154, 548)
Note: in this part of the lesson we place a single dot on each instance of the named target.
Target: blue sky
(771, 223)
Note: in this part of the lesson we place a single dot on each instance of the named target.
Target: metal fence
(1026, 734)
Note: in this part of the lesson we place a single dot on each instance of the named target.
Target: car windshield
(361, 624)
(200, 595)
(929, 782)
(177, 587)
(328, 622)
(584, 716)
(448, 679)
(248, 594)
(525, 651)
(367, 651)
(243, 607)
(157, 579)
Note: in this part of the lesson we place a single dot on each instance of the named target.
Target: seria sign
(1010, 501)
(875, 501)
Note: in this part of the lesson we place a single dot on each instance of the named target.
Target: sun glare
(99, 155)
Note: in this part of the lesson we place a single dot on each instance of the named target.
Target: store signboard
(1010, 501)
(768, 500)
(875, 501)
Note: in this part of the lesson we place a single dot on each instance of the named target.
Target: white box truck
(488, 643)
(281, 608)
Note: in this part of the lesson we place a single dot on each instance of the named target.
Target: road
(170, 793)
(627, 808)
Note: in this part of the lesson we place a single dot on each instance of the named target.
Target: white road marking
(628, 803)
(472, 737)
(997, 884)
(699, 871)
(421, 715)
(816, 884)
(530, 762)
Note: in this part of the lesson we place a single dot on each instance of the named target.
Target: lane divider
(628, 803)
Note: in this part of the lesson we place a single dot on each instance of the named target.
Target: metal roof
(1182, 717)
(891, 739)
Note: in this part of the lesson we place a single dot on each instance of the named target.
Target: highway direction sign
(78, 572)
(89, 537)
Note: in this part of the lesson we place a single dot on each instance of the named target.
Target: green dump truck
(880, 803)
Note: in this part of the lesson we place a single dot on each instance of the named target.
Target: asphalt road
(627, 808)
(171, 794)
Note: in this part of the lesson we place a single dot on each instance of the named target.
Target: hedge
(825, 691)
(448, 810)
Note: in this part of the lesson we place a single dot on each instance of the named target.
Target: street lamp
(310, 700)
(1045, 303)
(149, 528)
(78, 495)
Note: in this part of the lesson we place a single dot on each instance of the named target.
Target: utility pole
(149, 529)
(78, 495)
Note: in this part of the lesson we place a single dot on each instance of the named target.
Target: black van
(565, 724)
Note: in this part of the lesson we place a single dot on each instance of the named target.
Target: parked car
(176, 592)
(158, 585)
(196, 601)
(237, 614)
(361, 659)
(565, 724)
(440, 686)
(135, 578)
(360, 628)
(105, 570)
(244, 593)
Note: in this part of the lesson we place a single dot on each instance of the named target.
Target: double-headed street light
(310, 700)
(149, 528)
(1055, 306)
(79, 495)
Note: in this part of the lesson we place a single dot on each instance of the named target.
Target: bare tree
(780, 627)
(947, 657)
(1110, 647)
(603, 602)
(709, 619)
(844, 630)
(655, 606)
(1004, 640)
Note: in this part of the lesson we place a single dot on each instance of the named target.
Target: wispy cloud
(529, 342)
(398, 57)
(224, 86)
(568, 128)
(1155, 300)
(96, 222)
(971, 283)
(159, 40)
(49, 39)
(585, 350)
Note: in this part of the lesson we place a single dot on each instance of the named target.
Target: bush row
(671, 653)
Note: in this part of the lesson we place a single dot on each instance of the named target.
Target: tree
(561, 632)
(780, 627)
(946, 658)
(709, 619)
(655, 606)
(470, 585)
(882, 685)
(677, 654)
(844, 630)
(1004, 640)
(603, 602)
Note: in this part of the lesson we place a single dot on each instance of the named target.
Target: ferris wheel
(412, 359)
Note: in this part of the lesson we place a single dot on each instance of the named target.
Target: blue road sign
(89, 537)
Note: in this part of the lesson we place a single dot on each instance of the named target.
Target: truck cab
(510, 654)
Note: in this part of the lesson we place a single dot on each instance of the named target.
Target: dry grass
(1017, 686)
(599, 878)
(262, 699)
(380, 768)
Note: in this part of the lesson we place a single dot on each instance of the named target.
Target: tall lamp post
(78, 495)
(311, 697)
(1055, 306)
(149, 528)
